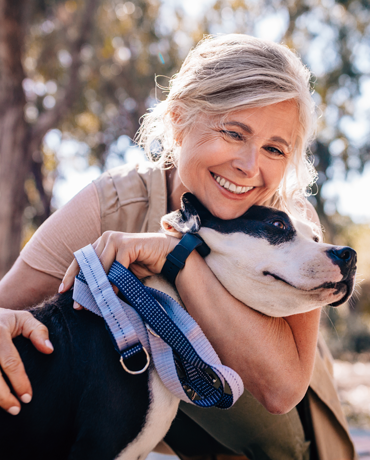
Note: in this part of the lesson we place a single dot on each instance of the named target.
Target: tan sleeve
(76, 224)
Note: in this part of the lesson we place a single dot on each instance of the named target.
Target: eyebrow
(249, 130)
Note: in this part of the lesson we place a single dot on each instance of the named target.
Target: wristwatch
(176, 258)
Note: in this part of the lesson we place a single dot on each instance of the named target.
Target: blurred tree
(20, 140)
(85, 67)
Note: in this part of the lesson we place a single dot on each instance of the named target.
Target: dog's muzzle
(346, 259)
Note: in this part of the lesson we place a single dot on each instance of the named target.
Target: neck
(175, 189)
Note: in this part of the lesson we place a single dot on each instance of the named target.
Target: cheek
(194, 161)
(274, 172)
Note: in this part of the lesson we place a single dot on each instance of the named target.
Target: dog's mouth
(344, 287)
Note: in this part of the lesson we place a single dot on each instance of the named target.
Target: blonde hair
(231, 72)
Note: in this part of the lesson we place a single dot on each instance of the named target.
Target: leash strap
(102, 300)
(184, 359)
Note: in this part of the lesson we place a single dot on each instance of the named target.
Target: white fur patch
(162, 410)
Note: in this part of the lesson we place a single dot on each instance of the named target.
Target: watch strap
(176, 258)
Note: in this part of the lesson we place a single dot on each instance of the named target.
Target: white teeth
(231, 187)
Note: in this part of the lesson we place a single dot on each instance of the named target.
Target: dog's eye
(316, 239)
(279, 224)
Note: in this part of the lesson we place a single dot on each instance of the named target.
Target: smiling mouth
(344, 286)
(229, 186)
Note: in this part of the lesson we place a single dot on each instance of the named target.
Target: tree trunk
(14, 132)
(19, 141)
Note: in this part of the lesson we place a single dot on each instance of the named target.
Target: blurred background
(75, 77)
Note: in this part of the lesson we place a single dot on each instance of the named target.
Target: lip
(345, 286)
(227, 193)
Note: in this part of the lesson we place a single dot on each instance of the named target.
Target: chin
(228, 214)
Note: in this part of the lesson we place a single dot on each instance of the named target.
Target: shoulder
(131, 197)
(132, 180)
(128, 184)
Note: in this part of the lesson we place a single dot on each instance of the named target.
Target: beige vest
(133, 199)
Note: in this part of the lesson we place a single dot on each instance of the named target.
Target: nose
(344, 257)
(247, 161)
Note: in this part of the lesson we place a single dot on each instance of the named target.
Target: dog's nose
(345, 257)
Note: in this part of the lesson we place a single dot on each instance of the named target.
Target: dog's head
(271, 262)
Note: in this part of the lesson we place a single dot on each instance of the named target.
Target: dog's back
(84, 405)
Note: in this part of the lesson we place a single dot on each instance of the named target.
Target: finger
(98, 247)
(13, 367)
(7, 400)
(37, 332)
(108, 256)
(77, 306)
(69, 277)
(114, 246)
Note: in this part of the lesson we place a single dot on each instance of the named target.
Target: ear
(176, 118)
(185, 220)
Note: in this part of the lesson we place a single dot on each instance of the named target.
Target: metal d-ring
(141, 370)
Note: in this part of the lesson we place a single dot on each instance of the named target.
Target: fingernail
(14, 410)
(61, 288)
(26, 398)
(49, 344)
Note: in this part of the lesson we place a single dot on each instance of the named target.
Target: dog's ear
(185, 220)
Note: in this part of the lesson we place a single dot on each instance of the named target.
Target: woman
(234, 131)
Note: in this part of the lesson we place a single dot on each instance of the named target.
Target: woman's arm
(273, 356)
(23, 286)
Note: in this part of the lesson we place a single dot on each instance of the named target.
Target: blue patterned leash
(184, 359)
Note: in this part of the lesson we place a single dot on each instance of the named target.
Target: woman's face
(241, 164)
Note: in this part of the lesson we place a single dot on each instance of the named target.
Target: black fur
(84, 406)
(257, 221)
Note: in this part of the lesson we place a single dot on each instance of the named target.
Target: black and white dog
(85, 406)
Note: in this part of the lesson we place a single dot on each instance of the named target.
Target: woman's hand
(144, 253)
(12, 324)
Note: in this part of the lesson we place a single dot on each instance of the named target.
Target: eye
(274, 151)
(279, 224)
(233, 134)
(316, 239)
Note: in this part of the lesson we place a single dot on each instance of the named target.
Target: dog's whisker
(331, 322)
